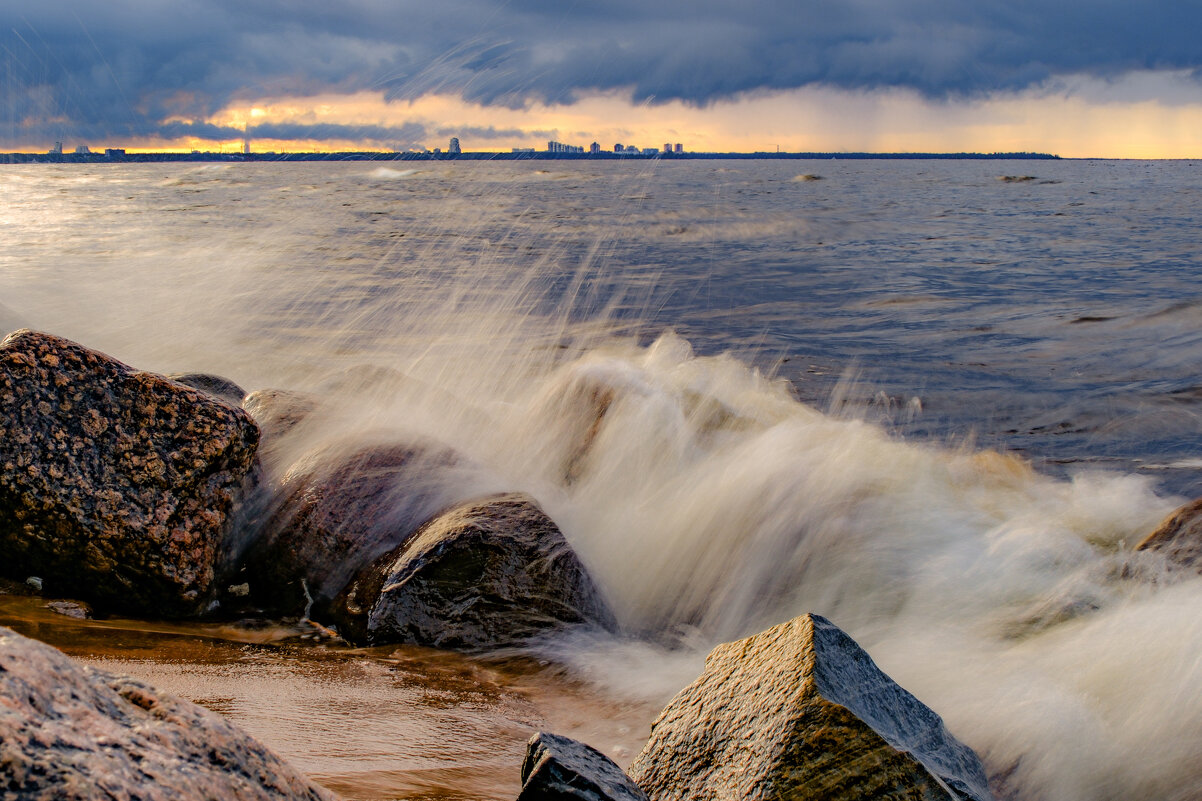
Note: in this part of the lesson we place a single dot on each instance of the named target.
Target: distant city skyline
(1091, 78)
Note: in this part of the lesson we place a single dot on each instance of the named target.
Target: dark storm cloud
(122, 67)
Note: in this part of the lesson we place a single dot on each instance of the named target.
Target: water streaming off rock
(932, 406)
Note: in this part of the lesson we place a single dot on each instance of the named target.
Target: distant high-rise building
(57, 150)
(650, 151)
(114, 152)
(453, 148)
(82, 150)
(667, 147)
(246, 145)
(618, 148)
(594, 148)
(678, 148)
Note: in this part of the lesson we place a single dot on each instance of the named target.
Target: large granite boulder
(116, 486)
(1179, 536)
(488, 573)
(801, 712)
(337, 510)
(559, 767)
(72, 733)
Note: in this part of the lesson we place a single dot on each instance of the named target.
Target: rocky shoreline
(172, 497)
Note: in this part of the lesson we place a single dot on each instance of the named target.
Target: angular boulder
(488, 573)
(1179, 536)
(336, 512)
(72, 733)
(559, 767)
(800, 711)
(116, 486)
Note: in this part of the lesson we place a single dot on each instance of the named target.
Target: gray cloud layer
(104, 70)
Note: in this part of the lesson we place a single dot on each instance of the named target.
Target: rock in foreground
(71, 733)
(561, 768)
(486, 574)
(800, 711)
(116, 486)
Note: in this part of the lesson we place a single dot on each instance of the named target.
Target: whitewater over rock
(800, 711)
(488, 573)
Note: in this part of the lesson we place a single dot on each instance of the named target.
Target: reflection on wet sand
(370, 723)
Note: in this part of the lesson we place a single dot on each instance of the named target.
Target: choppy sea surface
(934, 401)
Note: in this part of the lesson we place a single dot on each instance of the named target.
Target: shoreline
(154, 158)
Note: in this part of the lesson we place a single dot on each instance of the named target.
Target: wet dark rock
(561, 768)
(336, 512)
(489, 573)
(73, 733)
(1179, 536)
(116, 486)
(74, 609)
(215, 385)
(800, 711)
(278, 411)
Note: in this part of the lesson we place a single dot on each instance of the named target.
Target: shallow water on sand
(370, 723)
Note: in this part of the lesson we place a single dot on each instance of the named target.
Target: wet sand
(368, 723)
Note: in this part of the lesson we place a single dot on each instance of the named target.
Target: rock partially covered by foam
(800, 711)
(1179, 536)
(72, 733)
(218, 386)
(485, 574)
(559, 767)
(338, 509)
(116, 486)
(278, 411)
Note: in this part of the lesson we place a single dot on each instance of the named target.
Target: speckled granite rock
(116, 486)
(801, 712)
(217, 386)
(487, 573)
(337, 511)
(559, 768)
(72, 733)
(1179, 536)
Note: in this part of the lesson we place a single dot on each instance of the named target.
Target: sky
(1078, 78)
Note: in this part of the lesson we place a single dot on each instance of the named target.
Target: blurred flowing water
(934, 401)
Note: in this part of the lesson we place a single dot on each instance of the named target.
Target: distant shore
(141, 158)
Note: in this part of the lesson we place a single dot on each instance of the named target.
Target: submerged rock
(215, 385)
(116, 486)
(1179, 536)
(73, 733)
(337, 512)
(561, 768)
(488, 573)
(801, 712)
(278, 411)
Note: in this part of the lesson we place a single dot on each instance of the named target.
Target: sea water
(937, 402)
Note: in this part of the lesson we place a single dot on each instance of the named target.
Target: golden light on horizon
(803, 120)
(1085, 119)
